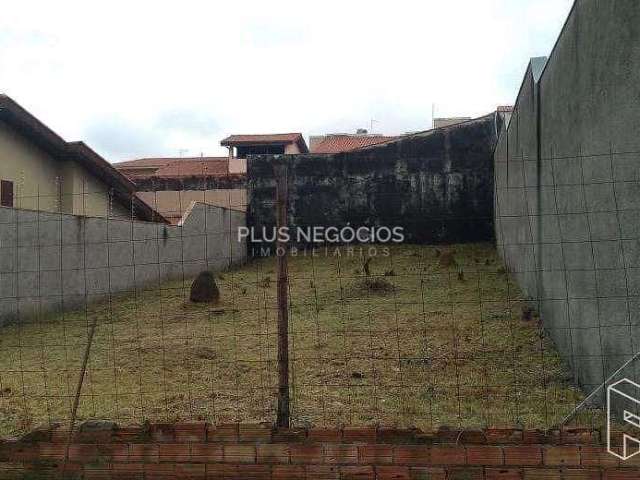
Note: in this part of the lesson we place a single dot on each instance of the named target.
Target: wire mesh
(389, 334)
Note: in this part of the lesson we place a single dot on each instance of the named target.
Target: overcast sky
(138, 78)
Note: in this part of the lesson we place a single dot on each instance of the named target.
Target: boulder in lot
(204, 288)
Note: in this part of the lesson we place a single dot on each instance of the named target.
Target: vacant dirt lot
(429, 338)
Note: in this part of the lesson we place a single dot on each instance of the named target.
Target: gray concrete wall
(567, 174)
(438, 185)
(52, 262)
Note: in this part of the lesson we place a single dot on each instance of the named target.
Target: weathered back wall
(568, 191)
(438, 185)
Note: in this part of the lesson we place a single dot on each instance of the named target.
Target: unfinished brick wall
(201, 451)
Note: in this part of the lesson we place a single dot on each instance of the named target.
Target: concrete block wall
(567, 203)
(53, 262)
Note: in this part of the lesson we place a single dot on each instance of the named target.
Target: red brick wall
(242, 452)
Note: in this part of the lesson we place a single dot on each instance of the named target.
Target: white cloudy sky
(146, 78)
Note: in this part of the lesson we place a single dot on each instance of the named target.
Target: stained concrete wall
(52, 261)
(438, 185)
(568, 192)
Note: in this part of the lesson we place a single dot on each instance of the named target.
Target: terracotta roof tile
(347, 143)
(176, 167)
(144, 163)
(207, 166)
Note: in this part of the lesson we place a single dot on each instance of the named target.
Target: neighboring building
(171, 185)
(345, 142)
(448, 121)
(41, 171)
(240, 146)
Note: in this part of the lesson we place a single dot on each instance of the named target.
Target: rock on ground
(204, 288)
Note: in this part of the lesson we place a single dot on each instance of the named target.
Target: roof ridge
(263, 134)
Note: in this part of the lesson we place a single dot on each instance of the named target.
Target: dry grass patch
(417, 342)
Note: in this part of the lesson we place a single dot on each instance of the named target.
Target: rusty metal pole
(280, 170)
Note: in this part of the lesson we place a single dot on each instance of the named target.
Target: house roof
(28, 125)
(266, 139)
(345, 143)
(193, 167)
(176, 167)
(143, 163)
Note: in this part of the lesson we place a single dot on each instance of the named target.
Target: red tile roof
(176, 167)
(144, 163)
(347, 143)
(209, 166)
